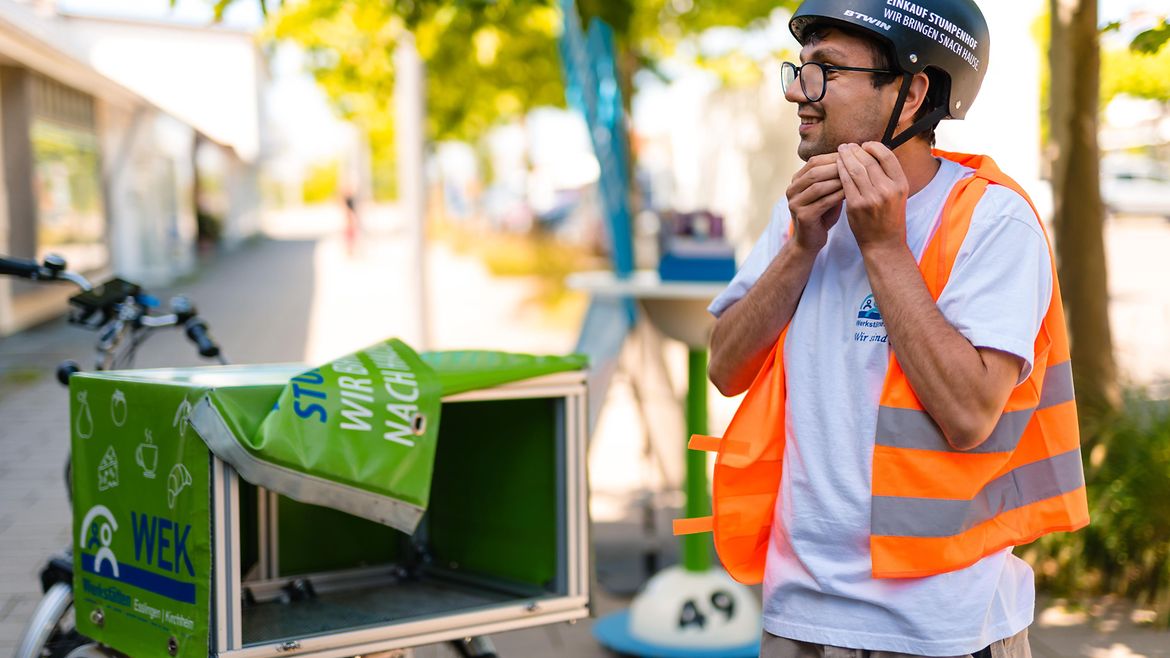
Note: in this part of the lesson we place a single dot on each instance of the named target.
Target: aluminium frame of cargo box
(572, 550)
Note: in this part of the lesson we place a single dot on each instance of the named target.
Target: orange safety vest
(934, 509)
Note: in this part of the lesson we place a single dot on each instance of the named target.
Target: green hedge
(1126, 548)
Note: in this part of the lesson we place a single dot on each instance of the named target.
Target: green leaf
(1134, 73)
(1152, 40)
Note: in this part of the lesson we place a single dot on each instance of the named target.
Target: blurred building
(128, 147)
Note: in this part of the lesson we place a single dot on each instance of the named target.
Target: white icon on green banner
(179, 479)
(181, 416)
(147, 456)
(118, 408)
(108, 470)
(84, 422)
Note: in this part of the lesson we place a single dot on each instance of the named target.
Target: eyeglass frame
(825, 69)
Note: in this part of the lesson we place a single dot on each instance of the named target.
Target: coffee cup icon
(147, 456)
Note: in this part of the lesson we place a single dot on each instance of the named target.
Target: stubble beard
(861, 128)
(808, 149)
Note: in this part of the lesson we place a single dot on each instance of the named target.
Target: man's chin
(808, 150)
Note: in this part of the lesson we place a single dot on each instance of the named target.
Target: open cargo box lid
(357, 434)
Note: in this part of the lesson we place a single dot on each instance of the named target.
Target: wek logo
(159, 543)
(100, 536)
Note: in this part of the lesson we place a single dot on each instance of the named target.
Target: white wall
(210, 78)
(207, 77)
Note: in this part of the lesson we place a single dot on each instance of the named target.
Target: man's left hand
(875, 194)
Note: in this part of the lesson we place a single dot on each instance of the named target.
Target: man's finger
(823, 159)
(873, 168)
(827, 203)
(814, 193)
(888, 161)
(816, 161)
(847, 182)
(855, 168)
(809, 177)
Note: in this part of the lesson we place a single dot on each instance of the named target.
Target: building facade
(106, 164)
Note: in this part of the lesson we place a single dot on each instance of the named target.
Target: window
(67, 175)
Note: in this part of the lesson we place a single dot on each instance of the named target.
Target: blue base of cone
(613, 632)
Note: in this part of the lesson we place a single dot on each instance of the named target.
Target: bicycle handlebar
(118, 309)
(197, 332)
(28, 269)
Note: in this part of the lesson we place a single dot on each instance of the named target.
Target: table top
(644, 284)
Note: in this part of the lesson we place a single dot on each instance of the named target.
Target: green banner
(356, 434)
(141, 524)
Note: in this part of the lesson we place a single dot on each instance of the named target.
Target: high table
(694, 609)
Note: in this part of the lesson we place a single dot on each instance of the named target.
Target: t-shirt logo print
(870, 327)
(869, 310)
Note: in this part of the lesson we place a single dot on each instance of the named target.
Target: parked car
(1135, 186)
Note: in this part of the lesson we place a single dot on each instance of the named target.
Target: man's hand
(814, 199)
(876, 190)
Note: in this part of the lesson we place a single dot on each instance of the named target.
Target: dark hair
(883, 58)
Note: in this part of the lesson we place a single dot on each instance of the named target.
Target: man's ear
(916, 97)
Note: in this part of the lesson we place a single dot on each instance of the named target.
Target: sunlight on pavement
(1118, 650)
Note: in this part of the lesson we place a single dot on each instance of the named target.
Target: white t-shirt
(818, 585)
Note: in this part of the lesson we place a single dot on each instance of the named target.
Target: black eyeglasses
(814, 77)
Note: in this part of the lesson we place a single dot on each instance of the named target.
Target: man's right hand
(815, 198)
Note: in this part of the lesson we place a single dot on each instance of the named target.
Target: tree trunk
(1079, 212)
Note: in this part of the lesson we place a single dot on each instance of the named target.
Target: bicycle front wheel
(48, 629)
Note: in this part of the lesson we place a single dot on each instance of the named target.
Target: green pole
(696, 548)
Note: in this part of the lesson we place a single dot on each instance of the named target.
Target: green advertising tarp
(141, 523)
(357, 434)
(472, 370)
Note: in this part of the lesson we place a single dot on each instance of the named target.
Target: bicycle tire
(45, 621)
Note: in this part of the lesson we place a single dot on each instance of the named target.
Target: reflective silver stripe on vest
(1058, 385)
(911, 428)
(894, 516)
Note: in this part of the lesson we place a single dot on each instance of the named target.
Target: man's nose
(794, 93)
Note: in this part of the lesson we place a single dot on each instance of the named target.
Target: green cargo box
(177, 555)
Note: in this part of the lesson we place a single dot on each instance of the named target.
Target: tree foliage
(1152, 40)
(1136, 71)
(654, 28)
(487, 61)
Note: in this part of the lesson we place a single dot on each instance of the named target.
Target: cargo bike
(383, 501)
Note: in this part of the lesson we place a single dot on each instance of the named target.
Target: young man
(901, 329)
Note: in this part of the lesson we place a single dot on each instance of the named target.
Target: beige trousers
(771, 646)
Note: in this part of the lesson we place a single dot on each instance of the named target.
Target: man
(900, 328)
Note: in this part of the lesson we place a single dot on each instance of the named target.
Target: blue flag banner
(592, 88)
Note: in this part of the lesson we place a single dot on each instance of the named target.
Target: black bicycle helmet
(949, 36)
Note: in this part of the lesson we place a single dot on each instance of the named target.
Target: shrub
(1126, 548)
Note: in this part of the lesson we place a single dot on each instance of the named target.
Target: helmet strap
(893, 124)
(918, 127)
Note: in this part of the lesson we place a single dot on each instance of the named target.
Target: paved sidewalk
(298, 297)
